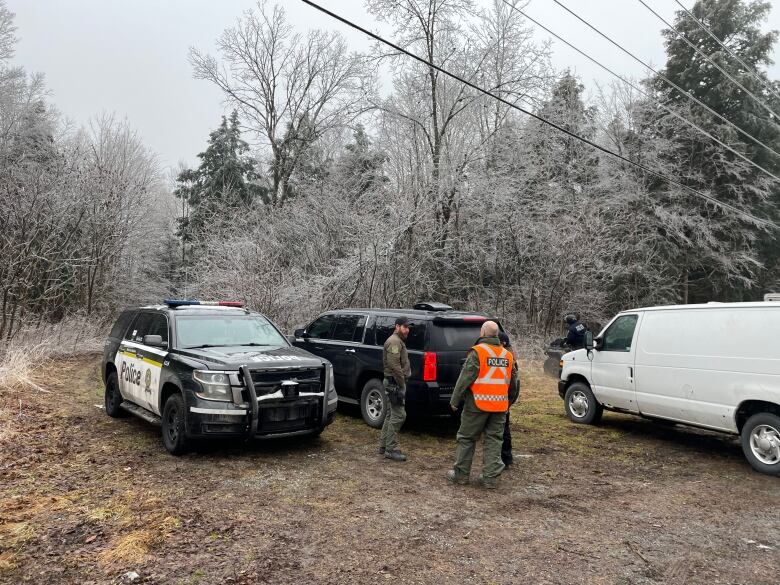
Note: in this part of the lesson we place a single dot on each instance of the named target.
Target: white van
(715, 366)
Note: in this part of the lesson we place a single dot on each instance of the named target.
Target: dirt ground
(85, 498)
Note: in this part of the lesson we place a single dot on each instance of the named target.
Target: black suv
(352, 339)
(206, 370)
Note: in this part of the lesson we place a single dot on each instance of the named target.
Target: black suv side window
(119, 328)
(321, 328)
(384, 327)
(349, 328)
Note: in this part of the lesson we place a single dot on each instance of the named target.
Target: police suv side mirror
(301, 334)
(589, 340)
(154, 341)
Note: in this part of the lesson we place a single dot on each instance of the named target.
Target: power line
(666, 79)
(765, 82)
(668, 179)
(646, 94)
(757, 99)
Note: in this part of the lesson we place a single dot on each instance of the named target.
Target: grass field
(85, 498)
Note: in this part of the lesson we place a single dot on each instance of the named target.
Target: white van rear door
(613, 363)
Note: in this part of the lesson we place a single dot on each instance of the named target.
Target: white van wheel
(581, 405)
(761, 442)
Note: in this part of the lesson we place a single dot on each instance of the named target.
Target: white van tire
(581, 405)
(761, 442)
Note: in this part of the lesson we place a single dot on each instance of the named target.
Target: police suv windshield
(235, 330)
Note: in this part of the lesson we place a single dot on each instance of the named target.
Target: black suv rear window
(385, 325)
(455, 337)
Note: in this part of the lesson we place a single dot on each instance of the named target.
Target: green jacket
(395, 360)
(470, 371)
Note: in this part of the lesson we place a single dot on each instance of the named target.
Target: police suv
(214, 369)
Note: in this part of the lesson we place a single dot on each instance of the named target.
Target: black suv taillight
(429, 366)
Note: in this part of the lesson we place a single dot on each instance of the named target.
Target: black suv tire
(581, 405)
(113, 398)
(751, 442)
(373, 403)
(173, 426)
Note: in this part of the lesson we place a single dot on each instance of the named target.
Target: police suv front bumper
(268, 415)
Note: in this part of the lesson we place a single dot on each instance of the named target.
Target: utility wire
(682, 37)
(666, 79)
(667, 178)
(647, 94)
(766, 83)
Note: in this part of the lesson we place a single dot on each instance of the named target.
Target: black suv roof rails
(431, 306)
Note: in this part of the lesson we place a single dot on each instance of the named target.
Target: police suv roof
(201, 310)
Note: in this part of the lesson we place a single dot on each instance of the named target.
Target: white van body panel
(692, 364)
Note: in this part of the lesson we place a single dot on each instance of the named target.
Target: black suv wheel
(173, 426)
(373, 403)
(113, 399)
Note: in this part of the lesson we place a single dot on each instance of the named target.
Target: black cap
(402, 321)
(503, 338)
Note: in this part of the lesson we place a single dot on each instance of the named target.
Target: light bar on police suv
(173, 303)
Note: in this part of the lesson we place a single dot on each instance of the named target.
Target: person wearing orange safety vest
(487, 384)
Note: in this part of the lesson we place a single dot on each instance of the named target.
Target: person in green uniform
(395, 360)
(474, 422)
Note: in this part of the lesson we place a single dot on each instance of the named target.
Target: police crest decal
(148, 381)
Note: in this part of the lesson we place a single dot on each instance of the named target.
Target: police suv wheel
(373, 403)
(581, 405)
(761, 442)
(173, 425)
(113, 398)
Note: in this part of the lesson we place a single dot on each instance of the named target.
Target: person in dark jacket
(506, 447)
(575, 338)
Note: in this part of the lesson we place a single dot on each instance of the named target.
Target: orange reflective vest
(491, 388)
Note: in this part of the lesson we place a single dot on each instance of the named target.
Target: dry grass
(27, 355)
(143, 524)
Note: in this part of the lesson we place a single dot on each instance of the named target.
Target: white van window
(619, 335)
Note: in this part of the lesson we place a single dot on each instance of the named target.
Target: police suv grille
(270, 381)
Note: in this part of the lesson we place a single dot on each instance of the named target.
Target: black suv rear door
(345, 352)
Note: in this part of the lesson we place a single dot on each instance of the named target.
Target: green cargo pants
(394, 420)
(473, 422)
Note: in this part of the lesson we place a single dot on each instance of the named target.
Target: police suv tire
(581, 405)
(113, 398)
(173, 426)
(373, 399)
(770, 423)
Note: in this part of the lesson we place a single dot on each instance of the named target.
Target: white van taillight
(429, 366)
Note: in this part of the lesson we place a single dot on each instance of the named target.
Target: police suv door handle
(630, 374)
(349, 351)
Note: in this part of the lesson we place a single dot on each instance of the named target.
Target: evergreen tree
(225, 179)
(710, 167)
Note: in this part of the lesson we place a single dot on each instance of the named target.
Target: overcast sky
(130, 56)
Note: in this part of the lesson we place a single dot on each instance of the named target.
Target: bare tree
(290, 88)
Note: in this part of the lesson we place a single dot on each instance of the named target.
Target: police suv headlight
(330, 386)
(214, 385)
